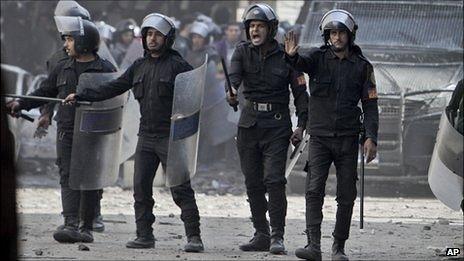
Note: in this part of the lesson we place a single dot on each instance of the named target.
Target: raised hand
(291, 45)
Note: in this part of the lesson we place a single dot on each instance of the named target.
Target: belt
(263, 106)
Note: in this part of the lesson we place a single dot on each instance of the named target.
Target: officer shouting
(264, 128)
(340, 76)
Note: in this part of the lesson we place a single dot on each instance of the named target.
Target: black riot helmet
(161, 23)
(338, 19)
(126, 25)
(261, 12)
(85, 33)
(71, 8)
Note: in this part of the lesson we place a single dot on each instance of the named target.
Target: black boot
(277, 242)
(69, 233)
(145, 241)
(277, 246)
(260, 242)
(145, 238)
(338, 250)
(98, 225)
(194, 244)
(86, 231)
(86, 235)
(312, 251)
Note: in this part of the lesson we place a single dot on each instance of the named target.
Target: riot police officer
(152, 79)
(66, 8)
(63, 8)
(200, 39)
(123, 38)
(81, 41)
(264, 128)
(340, 77)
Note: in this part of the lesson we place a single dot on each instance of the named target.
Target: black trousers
(343, 152)
(263, 155)
(75, 203)
(149, 153)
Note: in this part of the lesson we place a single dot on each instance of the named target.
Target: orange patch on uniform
(372, 93)
(301, 80)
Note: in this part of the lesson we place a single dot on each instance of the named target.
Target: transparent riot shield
(134, 52)
(104, 52)
(295, 154)
(185, 128)
(445, 175)
(216, 127)
(130, 128)
(97, 137)
(131, 116)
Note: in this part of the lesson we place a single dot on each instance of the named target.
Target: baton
(26, 117)
(361, 199)
(39, 98)
(229, 85)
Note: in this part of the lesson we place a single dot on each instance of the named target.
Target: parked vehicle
(416, 49)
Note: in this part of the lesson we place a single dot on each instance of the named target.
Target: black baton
(229, 85)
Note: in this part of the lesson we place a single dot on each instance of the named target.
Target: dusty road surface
(395, 228)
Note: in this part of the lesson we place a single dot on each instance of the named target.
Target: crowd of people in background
(220, 36)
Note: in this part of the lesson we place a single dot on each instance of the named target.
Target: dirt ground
(394, 229)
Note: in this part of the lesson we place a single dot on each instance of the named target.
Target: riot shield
(97, 138)
(295, 154)
(134, 52)
(445, 175)
(104, 52)
(131, 116)
(130, 128)
(216, 127)
(185, 129)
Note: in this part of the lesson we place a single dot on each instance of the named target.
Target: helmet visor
(200, 29)
(71, 8)
(69, 25)
(337, 16)
(159, 22)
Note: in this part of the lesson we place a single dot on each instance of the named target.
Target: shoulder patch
(301, 80)
(372, 93)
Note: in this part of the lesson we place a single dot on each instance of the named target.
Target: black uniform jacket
(152, 81)
(266, 79)
(336, 86)
(62, 81)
